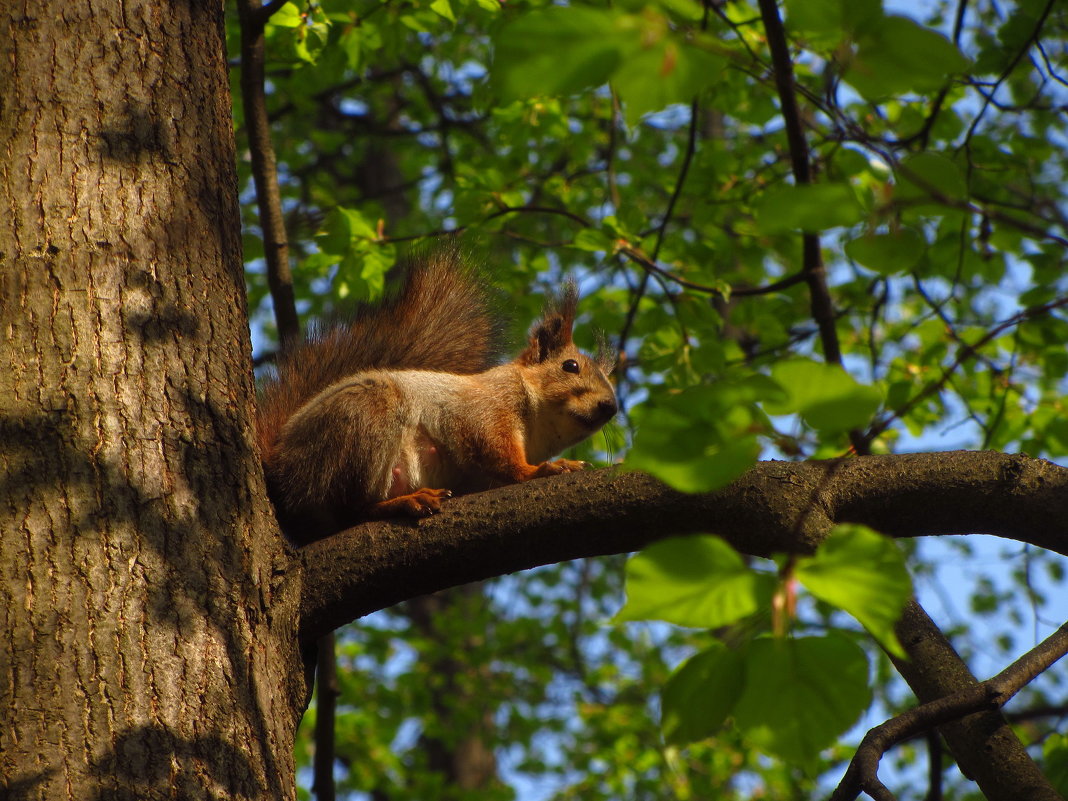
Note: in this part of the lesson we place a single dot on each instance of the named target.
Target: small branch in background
(648, 264)
(811, 258)
(862, 774)
(326, 693)
(253, 17)
(934, 767)
(684, 170)
(988, 98)
(639, 293)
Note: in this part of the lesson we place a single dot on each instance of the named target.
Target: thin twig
(1005, 73)
(649, 264)
(691, 147)
(965, 353)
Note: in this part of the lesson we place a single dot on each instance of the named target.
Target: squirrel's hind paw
(421, 503)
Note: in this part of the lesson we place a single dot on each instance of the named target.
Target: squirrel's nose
(607, 408)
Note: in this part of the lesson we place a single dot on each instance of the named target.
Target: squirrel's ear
(553, 331)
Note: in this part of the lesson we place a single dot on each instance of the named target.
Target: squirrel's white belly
(420, 460)
(419, 463)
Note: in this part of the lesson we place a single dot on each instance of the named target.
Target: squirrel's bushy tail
(441, 319)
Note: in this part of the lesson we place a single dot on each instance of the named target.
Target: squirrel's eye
(570, 366)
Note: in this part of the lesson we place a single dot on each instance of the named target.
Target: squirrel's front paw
(560, 466)
(570, 465)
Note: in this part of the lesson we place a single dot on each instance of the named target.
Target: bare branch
(863, 772)
(650, 264)
(812, 267)
(264, 167)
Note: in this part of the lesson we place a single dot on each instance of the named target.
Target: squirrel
(403, 405)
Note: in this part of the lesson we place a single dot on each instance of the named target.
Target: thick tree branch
(775, 507)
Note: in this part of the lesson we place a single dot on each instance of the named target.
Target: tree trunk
(137, 551)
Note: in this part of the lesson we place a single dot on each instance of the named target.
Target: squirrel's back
(441, 319)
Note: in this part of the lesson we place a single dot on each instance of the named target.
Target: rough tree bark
(147, 647)
(777, 507)
(151, 618)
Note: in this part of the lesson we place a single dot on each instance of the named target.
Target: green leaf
(288, 16)
(668, 71)
(814, 16)
(703, 437)
(594, 240)
(899, 55)
(697, 581)
(351, 42)
(812, 207)
(342, 227)
(862, 16)
(864, 573)
(924, 174)
(894, 252)
(825, 395)
(839, 17)
(702, 472)
(443, 8)
(1055, 761)
(800, 695)
(311, 40)
(700, 694)
(556, 51)
(684, 9)
(362, 274)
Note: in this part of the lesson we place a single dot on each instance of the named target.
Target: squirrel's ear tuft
(565, 305)
(553, 332)
(607, 357)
